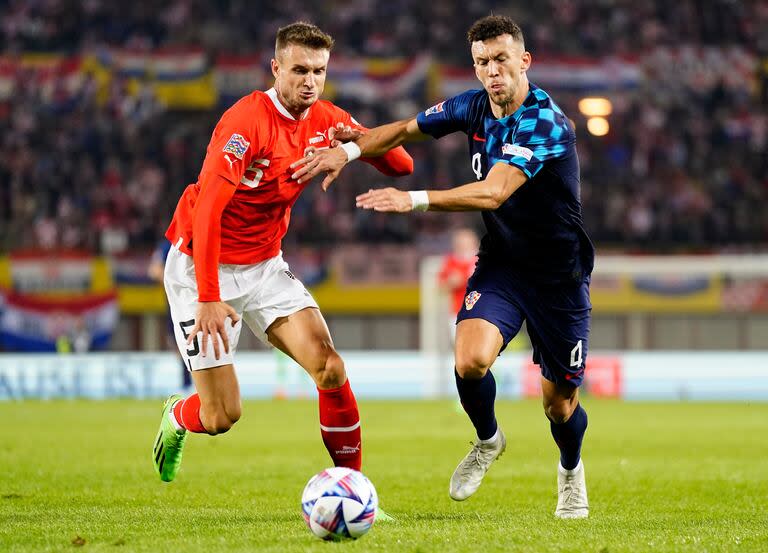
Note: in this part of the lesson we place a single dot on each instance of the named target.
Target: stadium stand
(98, 165)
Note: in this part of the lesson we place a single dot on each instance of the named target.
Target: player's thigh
(304, 336)
(478, 343)
(488, 319)
(278, 294)
(219, 392)
(181, 290)
(558, 319)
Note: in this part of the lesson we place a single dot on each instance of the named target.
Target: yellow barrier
(620, 294)
(332, 299)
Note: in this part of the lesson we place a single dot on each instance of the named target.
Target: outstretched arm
(484, 195)
(395, 163)
(381, 139)
(215, 193)
(374, 143)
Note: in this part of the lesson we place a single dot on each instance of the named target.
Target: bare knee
(329, 372)
(220, 419)
(473, 364)
(560, 410)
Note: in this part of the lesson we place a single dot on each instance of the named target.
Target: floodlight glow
(598, 126)
(595, 107)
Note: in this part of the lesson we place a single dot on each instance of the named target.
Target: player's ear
(275, 65)
(525, 61)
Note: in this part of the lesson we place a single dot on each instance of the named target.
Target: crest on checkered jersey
(471, 299)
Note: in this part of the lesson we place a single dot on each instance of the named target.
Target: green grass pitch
(76, 475)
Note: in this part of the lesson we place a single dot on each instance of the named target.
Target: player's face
(465, 243)
(500, 64)
(300, 76)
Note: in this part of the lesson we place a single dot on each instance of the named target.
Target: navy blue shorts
(557, 317)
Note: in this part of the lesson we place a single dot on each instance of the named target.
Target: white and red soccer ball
(339, 503)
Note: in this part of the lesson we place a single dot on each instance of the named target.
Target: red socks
(340, 426)
(339, 423)
(187, 413)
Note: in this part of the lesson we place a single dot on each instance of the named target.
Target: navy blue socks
(569, 436)
(477, 398)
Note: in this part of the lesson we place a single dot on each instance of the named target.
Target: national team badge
(471, 299)
(434, 109)
(236, 145)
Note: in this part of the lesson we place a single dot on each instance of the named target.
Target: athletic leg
(487, 321)
(215, 407)
(478, 343)
(304, 336)
(559, 329)
(218, 405)
(568, 423)
(567, 419)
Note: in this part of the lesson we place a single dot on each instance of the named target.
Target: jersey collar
(272, 93)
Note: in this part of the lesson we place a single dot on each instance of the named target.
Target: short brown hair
(492, 26)
(303, 34)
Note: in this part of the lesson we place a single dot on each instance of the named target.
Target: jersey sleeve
(541, 134)
(233, 144)
(448, 116)
(215, 194)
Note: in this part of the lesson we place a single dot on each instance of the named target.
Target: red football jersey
(456, 271)
(252, 147)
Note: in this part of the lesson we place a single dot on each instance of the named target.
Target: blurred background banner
(378, 295)
(186, 77)
(63, 302)
(82, 322)
(657, 376)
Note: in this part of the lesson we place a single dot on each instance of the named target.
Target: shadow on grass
(271, 518)
(437, 517)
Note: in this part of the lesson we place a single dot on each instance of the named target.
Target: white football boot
(469, 474)
(571, 493)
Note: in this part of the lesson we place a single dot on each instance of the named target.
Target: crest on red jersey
(471, 299)
(236, 145)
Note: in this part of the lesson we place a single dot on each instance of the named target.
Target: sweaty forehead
(295, 54)
(492, 47)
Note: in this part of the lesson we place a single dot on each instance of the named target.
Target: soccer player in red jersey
(226, 265)
(456, 269)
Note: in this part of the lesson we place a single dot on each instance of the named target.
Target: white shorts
(260, 293)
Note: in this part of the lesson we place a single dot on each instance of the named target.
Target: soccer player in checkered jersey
(226, 265)
(535, 260)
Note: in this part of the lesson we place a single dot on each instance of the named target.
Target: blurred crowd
(684, 166)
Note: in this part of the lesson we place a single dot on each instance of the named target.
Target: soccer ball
(339, 503)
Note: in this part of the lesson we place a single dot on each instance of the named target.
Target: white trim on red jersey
(272, 93)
